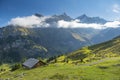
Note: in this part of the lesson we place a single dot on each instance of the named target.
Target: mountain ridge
(45, 42)
(85, 19)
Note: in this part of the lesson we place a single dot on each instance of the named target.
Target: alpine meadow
(60, 40)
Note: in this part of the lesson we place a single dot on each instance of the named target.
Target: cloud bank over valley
(35, 21)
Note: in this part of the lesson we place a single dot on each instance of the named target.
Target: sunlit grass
(109, 69)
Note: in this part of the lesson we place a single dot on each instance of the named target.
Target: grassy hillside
(112, 46)
(107, 69)
(97, 62)
(99, 51)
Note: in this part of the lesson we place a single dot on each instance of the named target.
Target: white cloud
(114, 24)
(29, 21)
(76, 24)
(116, 8)
(34, 21)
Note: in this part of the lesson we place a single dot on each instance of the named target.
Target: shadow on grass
(58, 76)
(117, 65)
(103, 67)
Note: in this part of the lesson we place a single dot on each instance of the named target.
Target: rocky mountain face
(85, 19)
(106, 34)
(18, 42)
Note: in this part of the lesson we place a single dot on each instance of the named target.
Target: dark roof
(30, 63)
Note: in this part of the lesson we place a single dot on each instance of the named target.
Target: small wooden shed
(32, 63)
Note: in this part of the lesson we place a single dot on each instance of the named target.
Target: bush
(15, 67)
(51, 59)
(61, 59)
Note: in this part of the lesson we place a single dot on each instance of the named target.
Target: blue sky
(108, 9)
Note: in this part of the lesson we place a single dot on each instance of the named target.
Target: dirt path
(99, 61)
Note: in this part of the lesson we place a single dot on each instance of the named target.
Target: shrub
(15, 67)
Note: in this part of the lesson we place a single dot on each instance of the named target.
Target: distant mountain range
(19, 42)
(85, 19)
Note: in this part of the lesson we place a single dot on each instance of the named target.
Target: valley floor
(106, 69)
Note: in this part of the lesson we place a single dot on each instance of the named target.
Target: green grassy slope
(112, 46)
(97, 62)
(107, 49)
(108, 69)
